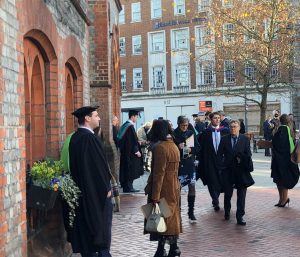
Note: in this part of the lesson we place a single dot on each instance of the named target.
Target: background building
(46, 72)
(168, 68)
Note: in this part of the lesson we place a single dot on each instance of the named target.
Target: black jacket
(186, 165)
(235, 162)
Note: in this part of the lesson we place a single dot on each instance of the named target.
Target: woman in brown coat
(163, 183)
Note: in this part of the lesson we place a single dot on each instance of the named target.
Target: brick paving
(270, 231)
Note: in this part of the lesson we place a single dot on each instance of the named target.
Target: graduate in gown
(131, 160)
(91, 231)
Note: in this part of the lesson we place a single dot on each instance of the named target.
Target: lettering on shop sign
(159, 24)
(167, 101)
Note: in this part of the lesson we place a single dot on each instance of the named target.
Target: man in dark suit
(234, 155)
(208, 169)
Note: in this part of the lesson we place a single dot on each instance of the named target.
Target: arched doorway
(69, 102)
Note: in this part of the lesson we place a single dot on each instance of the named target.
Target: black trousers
(214, 195)
(240, 203)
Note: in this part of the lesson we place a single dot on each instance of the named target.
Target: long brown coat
(163, 182)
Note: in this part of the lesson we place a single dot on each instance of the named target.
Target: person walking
(188, 153)
(285, 173)
(91, 231)
(143, 138)
(268, 127)
(163, 183)
(208, 169)
(236, 164)
(131, 160)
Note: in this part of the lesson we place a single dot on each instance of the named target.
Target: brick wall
(61, 35)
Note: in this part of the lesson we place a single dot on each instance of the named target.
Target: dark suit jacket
(235, 162)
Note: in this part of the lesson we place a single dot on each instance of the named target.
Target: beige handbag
(155, 221)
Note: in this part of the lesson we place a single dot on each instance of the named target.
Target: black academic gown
(131, 166)
(208, 169)
(89, 169)
(235, 173)
(284, 172)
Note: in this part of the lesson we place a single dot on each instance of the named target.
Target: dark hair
(81, 119)
(284, 119)
(160, 130)
(211, 115)
(182, 119)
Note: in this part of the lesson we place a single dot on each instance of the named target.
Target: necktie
(234, 140)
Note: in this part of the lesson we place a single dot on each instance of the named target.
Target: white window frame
(123, 79)
(158, 77)
(206, 72)
(179, 7)
(229, 72)
(275, 73)
(136, 12)
(227, 3)
(251, 25)
(122, 45)
(250, 71)
(228, 32)
(203, 35)
(156, 11)
(203, 5)
(181, 71)
(157, 41)
(137, 81)
(180, 41)
(267, 24)
(137, 45)
(122, 15)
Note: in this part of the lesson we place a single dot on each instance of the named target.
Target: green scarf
(292, 144)
(64, 157)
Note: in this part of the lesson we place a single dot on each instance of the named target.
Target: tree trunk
(263, 110)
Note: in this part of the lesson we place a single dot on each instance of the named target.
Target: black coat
(284, 172)
(225, 123)
(235, 162)
(200, 126)
(187, 165)
(89, 169)
(208, 169)
(267, 130)
(131, 166)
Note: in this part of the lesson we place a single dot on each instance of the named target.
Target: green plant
(49, 174)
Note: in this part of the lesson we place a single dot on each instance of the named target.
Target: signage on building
(205, 106)
(158, 25)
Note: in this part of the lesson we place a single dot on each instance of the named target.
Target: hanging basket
(40, 198)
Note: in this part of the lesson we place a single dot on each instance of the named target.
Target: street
(270, 231)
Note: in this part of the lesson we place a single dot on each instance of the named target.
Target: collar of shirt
(130, 121)
(87, 129)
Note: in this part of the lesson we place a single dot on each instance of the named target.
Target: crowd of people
(211, 148)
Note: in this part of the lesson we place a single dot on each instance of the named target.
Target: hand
(138, 154)
(189, 149)
(108, 194)
(181, 145)
(154, 202)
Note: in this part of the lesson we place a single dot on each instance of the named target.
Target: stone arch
(73, 91)
(41, 97)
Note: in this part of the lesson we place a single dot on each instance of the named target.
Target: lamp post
(246, 108)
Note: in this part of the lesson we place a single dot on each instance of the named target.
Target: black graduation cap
(133, 113)
(195, 115)
(83, 111)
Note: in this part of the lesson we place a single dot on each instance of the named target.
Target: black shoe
(161, 253)
(192, 218)
(174, 253)
(216, 208)
(134, 190)
(227, 216)
(286, 203)
(241, 222)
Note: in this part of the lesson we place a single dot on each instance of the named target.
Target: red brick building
(167, 65)
(55, 57)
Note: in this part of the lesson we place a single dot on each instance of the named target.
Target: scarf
(292, 144)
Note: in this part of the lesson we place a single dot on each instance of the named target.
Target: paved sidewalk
(270, 231)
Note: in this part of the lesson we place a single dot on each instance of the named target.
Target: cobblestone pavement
(270, 231)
